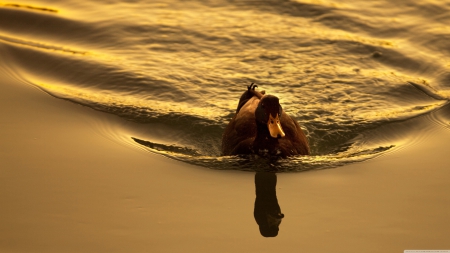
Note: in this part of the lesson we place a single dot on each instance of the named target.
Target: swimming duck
(260, 126)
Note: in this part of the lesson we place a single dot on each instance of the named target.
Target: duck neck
(263, 140)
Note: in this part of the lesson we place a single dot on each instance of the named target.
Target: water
(353, 74)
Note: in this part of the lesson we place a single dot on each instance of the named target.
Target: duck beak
(274, 126)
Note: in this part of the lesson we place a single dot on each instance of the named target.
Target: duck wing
(248, 94)
(241, 131)
(295, 141)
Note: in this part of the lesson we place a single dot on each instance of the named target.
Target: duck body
(260, 126)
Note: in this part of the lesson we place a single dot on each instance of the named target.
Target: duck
(260, 126)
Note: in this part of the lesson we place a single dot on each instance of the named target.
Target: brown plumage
(261, 127)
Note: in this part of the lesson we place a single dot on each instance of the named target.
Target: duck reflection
(267, 212)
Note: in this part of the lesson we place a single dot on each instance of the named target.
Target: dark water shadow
(267, 211)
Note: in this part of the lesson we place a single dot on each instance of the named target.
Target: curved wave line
(31, 7)
(40, 45)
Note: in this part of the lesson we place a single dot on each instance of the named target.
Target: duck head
(268, 113)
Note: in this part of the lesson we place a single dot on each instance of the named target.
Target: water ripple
(343, 70)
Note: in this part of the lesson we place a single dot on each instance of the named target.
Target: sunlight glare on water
(341, 69)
